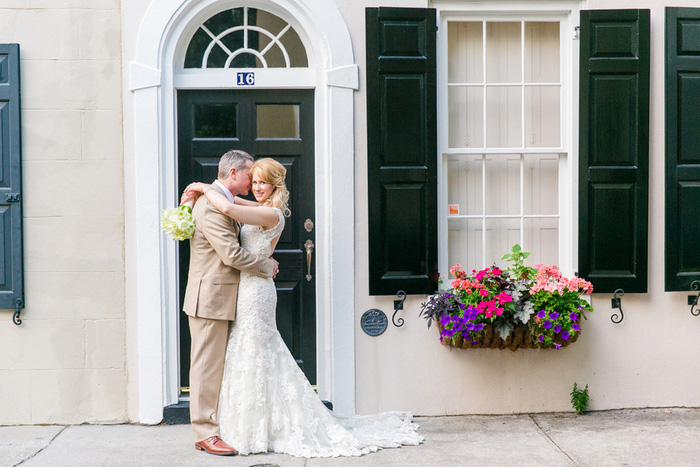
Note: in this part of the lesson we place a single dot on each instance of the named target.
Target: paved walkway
(648, 437)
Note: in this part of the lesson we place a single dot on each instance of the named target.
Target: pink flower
(484, 292)
(496, 271)
(503, 297)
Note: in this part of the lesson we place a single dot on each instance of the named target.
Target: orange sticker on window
(454, 209)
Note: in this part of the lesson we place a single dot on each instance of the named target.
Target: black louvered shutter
(11, 274)
(682, 147)
(614, 149)
(402, 150)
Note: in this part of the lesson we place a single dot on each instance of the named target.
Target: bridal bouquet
(178, 222)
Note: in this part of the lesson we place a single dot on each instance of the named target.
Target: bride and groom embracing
(247, 393)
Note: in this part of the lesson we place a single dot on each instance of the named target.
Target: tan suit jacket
(216, 259)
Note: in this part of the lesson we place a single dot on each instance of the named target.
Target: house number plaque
(373, 322)
(245, 78)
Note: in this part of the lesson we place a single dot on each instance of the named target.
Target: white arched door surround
(150, 184)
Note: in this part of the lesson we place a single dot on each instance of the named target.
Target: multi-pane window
(504, 148)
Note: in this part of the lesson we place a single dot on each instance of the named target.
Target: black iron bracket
(616, 302)
(18, 309)
(398, 305)
(693, 301)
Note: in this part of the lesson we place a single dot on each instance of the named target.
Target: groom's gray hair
(234, 159)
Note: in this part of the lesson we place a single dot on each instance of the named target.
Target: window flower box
(519, 307)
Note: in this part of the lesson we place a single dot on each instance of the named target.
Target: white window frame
(566, 12)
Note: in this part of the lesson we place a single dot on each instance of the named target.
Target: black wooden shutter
(682, 147)
(11, 273)
(614, 149)
(402, 150)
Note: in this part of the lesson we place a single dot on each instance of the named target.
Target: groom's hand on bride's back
(276, 268)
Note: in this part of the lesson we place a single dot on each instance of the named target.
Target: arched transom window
(245, 38)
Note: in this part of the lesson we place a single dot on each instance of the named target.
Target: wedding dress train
(266, 402)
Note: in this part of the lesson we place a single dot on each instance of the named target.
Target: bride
(266, 403)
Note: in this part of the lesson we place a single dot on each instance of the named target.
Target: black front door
(264, 123)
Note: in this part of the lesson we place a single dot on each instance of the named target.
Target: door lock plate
(308, 225)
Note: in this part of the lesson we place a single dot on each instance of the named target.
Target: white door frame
(150, 185)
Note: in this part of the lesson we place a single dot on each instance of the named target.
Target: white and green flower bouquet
(178, 222)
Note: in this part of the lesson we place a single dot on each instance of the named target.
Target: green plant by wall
(580, 399)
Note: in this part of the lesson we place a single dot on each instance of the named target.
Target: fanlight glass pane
(245, 38)
(278, 121)
(215, 121)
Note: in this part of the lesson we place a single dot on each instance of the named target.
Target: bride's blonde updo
(272, 172)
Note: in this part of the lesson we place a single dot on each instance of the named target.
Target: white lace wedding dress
(266, 402)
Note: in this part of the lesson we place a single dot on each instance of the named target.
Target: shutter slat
(682, 148)
(614, 149)
(11, 267)
(402, 150)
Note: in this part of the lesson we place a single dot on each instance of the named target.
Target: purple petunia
(557, 329)
(479, 327)
(557, 345)
(541, 337)
(470, 326)
(541, 314)
(576, 327)
(554, 315)
(444, 320)
(573, 316)
(547, 324)
(565, 335)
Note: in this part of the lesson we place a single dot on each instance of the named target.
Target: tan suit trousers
(208, 352)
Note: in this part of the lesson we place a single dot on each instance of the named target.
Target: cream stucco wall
(67, 363)
(647, 361)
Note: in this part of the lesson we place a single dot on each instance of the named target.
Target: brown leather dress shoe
(215, 445)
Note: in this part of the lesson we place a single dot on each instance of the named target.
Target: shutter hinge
(18, 308)
(577, 33)
(12, 197)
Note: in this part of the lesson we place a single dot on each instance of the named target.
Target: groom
(216, 259)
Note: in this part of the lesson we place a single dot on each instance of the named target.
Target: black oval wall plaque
(373, 322)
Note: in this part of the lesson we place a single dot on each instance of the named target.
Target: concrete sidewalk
(650, 437)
